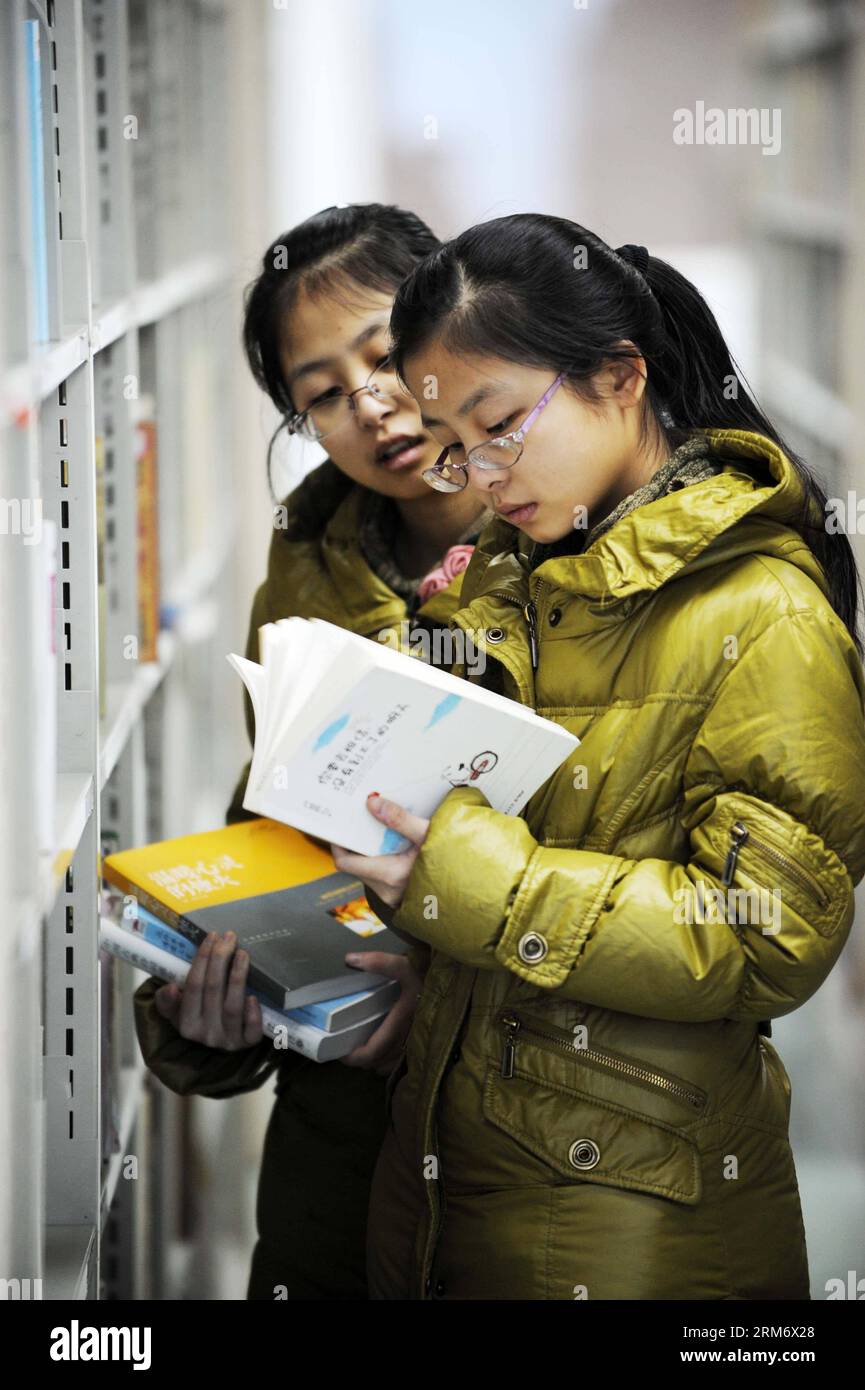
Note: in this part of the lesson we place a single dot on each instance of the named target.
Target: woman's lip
(404, 458)
(521, 513)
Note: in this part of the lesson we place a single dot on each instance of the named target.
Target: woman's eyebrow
(321, 363)
(482, 394)
(468, 405)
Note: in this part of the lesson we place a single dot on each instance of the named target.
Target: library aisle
(150, 150)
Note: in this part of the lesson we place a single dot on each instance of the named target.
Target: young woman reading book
(364, 543)
(589, 1105)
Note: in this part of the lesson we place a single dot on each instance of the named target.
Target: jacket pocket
(584, 1139)
(789, 868)
(523, 1036)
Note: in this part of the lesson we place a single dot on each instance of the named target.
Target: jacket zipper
(617, 1064)
(530, 613)
(739, 834)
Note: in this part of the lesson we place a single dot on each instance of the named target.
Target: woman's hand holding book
(386, 874)
(213, 1007)
(383, 1050)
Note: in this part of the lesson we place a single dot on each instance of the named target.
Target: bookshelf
(807, 58)
(118, 328)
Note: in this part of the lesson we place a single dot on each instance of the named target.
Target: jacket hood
(752, 506)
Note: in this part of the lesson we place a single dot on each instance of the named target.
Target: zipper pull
(512, 1025)
(531, 614)
(738, 834)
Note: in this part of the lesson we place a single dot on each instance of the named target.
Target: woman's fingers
(167, 1000)
(213, 989)
(234, 1003)
(190, 1021)
(387, 963)
(397, 818)
(253, 1030)
(386, 1039)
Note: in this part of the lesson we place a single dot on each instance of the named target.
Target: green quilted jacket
(589, 1105)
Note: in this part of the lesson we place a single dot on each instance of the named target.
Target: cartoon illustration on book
(461, 774)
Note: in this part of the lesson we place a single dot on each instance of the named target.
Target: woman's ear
(623, 379)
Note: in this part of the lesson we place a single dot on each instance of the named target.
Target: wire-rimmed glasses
(492, 455)
(324, 417)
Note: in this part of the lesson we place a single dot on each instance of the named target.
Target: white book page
(252, 676)
(389, 659)
(412, 743)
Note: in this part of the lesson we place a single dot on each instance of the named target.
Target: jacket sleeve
(191, 1068)
(782, 750)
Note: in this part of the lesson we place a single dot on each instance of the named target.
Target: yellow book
(277, 889)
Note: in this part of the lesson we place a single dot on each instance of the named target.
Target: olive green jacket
(315, 569)
(588, 1107)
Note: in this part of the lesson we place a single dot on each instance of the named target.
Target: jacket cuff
(458, 912)
(191, 1068)
(566, 890)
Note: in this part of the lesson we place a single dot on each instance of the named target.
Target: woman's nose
(483, 480)
(370, 409)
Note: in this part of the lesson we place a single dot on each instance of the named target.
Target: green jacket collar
(751, 506)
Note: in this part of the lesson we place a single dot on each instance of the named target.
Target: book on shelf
(338, 717)
(38, 219)
(144, 434)
(109, 1054)
(286, 1031)
(282, 895)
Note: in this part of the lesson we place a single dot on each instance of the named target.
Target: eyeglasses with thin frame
(325, 417)
(502, 452)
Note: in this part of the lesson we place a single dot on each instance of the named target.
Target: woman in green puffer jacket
(361, 543)
(589, 1106)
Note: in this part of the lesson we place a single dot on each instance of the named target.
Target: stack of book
(290, 908)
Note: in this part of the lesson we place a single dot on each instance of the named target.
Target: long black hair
(373, 246)
(546, 292)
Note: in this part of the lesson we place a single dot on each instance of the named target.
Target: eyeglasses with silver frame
(494, 454)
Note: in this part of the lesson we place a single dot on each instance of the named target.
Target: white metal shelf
(130, 1082)
(25, 385)
(158, 298)
(132, 258)
(74, 808)
(68, 1254)
(125, 703)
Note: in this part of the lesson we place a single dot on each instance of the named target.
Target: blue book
(39, 287)
(333, 1014)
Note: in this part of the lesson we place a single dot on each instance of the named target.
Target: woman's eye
(454, 450)
(500, 427)
(330, 395)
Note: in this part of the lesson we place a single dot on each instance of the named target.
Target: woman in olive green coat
(359, 543)
(589, 1106)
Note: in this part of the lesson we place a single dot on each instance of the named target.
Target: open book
(338, 716)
